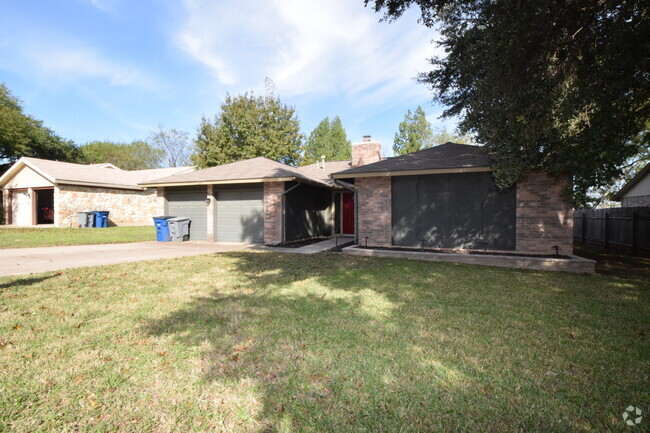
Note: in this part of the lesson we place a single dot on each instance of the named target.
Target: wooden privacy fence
(624, 227)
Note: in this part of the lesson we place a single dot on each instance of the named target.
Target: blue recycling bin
(162, 228)
(101, 218)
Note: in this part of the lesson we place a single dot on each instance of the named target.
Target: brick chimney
(365, 152)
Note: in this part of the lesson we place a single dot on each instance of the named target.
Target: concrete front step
(573, 264)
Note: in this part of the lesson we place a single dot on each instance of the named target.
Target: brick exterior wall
(374, 211)
(273, 212)
(638, 201)
(544, 217)
(126, 207)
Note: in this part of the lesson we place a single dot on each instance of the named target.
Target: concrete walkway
(315, 247)
(20, 261)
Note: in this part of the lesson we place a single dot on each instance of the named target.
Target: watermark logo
(632, 416)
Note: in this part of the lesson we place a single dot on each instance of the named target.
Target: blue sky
(116, 69)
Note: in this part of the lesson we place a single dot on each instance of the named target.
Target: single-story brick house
(38, 191)
(635, 193)
(442, 197)
(255, 201)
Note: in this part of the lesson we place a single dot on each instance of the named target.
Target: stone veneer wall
(126, 207)
(273, 212)
(544, 217)
(374, 209)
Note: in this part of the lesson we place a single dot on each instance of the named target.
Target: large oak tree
(561, 86)
(249, 126)
(23, 135)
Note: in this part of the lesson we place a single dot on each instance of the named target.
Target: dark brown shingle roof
(443, 157)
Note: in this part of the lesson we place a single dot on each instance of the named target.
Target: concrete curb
(574, 264)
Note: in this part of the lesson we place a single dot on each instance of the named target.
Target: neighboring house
(442, 197)
(636, 192)
(38, 191)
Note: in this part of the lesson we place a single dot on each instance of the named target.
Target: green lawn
(52, 236)
(265, 342)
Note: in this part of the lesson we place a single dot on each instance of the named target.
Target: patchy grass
(263, 342)
(53, 236)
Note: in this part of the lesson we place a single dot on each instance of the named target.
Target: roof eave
(236, 181)
(391, 173)
(98, 184)
(218, 182)
(18, 165)
(628, 186)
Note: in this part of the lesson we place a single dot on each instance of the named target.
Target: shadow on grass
(616, 263)
(356, 344)
(20, 281)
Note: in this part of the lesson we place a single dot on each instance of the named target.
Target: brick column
(211, 205)
(374, 211)
(273, 212)
(544, 216)
(161, 201)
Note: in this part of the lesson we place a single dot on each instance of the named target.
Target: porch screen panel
(466, 192)
(463, 210)
(404, 212)
(433, 211)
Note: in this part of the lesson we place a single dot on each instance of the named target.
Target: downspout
(284, 235)
(352, 188)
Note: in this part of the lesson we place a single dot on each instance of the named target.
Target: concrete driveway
(20, 261)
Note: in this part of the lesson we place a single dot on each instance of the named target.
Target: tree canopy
(174, 144)
(249, 126)
(414, 133)
(443, 136)
(136, 155)
(558, 86)
(327, 139)
(22, 135)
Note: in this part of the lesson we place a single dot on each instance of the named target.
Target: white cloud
(70, 61)
(308, 47)
(108, 6)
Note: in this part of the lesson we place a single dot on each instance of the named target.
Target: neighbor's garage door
(452, 211)
(240, 215)
(21, 208)
(190, 202)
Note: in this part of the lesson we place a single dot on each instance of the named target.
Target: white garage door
(21, 208)
(240, 215)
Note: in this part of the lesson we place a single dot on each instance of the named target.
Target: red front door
(348, 214)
